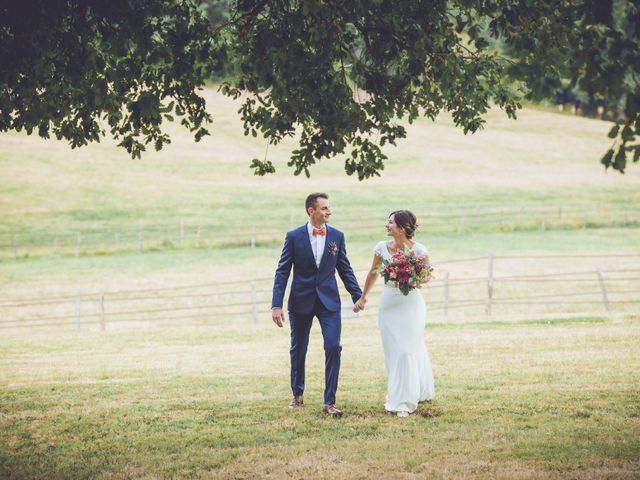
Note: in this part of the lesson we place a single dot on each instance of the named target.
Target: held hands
(359, 305)
(277, 315)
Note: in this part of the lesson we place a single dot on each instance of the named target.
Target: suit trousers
(331, 326)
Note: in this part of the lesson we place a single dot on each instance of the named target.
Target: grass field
(531, 391)
(554, 399)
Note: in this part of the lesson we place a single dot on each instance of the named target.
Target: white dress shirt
(317, 242)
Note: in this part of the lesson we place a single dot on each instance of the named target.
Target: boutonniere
(333, 248)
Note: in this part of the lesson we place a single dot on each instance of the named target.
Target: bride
(401, 320)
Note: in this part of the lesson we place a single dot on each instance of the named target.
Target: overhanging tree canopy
(68, 67)
(342, 73)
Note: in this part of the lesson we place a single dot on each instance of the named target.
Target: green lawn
(552, 399)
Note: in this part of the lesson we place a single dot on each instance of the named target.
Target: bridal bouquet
(406, 271)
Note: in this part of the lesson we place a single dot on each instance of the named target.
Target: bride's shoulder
(420, 249)
(380, 247)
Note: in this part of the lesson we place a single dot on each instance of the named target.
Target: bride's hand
(359, 305)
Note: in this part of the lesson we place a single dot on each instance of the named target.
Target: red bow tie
(319, 231)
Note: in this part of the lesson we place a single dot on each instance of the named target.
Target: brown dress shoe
(332, 410)
(297, 401)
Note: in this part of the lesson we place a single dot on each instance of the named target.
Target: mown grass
(541, 399)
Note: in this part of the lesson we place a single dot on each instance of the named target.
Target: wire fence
(181, 233)
(588, 290)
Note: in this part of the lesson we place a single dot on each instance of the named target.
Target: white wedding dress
(402, 320)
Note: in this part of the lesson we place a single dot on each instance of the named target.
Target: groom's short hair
(312, 199)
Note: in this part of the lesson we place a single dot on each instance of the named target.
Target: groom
(315, 251)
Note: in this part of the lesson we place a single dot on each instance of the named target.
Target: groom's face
(321, 212)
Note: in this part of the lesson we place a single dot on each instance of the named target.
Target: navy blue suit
(314, 293)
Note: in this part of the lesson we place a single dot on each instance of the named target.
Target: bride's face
(392, 228)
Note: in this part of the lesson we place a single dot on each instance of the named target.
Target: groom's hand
(277, 315)
(359, 305)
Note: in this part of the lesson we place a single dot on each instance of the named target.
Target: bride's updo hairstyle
(407, 221)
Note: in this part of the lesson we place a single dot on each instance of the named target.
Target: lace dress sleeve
(378, 249)
(421, 250)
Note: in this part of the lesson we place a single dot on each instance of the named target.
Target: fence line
(525, 280)
(434, 284)
(564, 274)
(558, 295)
(4, 303)
(608, 255)
(249, 308)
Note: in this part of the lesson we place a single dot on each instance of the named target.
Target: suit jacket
(310, 281)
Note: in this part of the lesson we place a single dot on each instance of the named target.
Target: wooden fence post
(102, 322)
(603, 289)
(489, 285)
(254, 301)
(446, 294)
